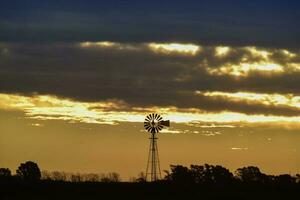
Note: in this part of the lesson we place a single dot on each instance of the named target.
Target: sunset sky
(77, 79)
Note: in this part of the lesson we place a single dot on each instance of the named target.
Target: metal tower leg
(153, 160)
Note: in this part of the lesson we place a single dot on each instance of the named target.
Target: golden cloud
(189, 49)
(243, 69)
(254, 60)
(99, 44)
(222, 51)
(289, 100)
(45, 107)
(251, 59)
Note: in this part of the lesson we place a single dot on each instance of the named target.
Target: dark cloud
(259, 23)
(217, 104)
(134, 74)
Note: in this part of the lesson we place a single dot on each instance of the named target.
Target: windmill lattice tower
(153, 124)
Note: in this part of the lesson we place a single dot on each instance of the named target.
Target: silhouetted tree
(180, 174)
(45, 175)
(298, 178)
(72, 177)
(5, 172)
(141, 177)
(285, 179)
(217, 174)
(29, 171)
(75, 178)
(58, 176)
(111, 177)
(208, 174)
(251, 174)
(114, 177)
(91, 177)
(198, 173)
(211, 174)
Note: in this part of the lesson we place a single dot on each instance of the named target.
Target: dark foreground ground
(164, 190)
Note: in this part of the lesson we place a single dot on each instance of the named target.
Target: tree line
(195, 174)
(30, 172)
(219, 175)
(80, 177)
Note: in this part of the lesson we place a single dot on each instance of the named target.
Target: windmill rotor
(154, 123)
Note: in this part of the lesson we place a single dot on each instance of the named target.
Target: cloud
(243, 23)
(211, 133)
(288, 105)
(171, 131)
(243, 69)
(239, 148)
(189, 49)
(246, 60)
(36, 125)
(266, 99)
(45, 107)
(136, 75)
(217, 126)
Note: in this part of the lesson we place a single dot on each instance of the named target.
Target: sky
(77, 79)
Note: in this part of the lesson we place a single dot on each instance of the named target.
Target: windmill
(153, 124)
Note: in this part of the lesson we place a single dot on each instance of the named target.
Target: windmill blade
(146, 126)
(157, 129)
(158, 118)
